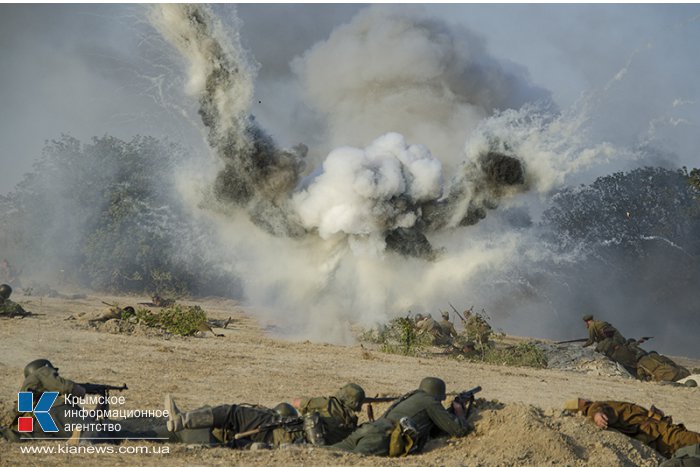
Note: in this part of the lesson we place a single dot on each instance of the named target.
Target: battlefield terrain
(519, 420)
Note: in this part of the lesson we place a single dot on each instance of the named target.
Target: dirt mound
(519, 434)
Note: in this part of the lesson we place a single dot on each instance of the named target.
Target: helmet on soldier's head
(35, 365)
(587, 317)
(433, 386)
(691, 383)
(286, 410)
(445, 315)
(351, 395)
(5, 291)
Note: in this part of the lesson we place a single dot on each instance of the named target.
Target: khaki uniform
(657, 367)
(647, 426)
(448, 329)
(620, 353)
(337, 419)
(425, 411)
(600, 331)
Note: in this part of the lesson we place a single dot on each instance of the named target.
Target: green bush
(525, 354)
(398, 336)
(177, 319)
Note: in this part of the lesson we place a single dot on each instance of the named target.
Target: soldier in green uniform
(407, 425)
(650, 426)
(209, 425)
(324, 418)
(8, 308)
(337, 413)
(41, 376)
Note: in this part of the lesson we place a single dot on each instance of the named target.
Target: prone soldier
(650, 426)
(406, 426)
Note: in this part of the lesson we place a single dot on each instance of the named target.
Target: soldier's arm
(602, 414)
(53, 382)
(450, 424)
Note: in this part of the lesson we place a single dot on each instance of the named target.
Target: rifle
(572, 340)
(289, 424)
(370, 400)
(102, 390)
(457, 312)
(466, 398)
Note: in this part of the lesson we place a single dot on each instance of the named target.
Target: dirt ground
(519, 421)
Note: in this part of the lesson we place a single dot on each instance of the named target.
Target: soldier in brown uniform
(599, 331)
(650, 426)
(448, 329)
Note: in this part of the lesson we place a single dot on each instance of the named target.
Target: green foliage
(525, 354)
(105, 214)
(177, 319)
(399, 336)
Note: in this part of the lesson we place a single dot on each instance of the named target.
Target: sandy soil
(519, 421)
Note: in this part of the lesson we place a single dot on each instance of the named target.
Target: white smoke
(348, 244)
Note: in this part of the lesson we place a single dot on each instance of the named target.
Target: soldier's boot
(178, 421)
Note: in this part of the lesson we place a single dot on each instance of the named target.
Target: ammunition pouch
(403, 438)
(313, 429)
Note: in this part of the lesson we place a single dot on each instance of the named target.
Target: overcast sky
(90, 70)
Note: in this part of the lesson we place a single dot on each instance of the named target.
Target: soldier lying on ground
(41, 376)
(8, 308)
(406, 426)
(650, 426)
(323, 419)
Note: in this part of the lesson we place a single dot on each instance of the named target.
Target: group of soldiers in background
(332, 422)
(474, 337)
(646, 366)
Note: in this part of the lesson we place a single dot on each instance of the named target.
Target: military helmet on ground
(35, 365)
(351, 395)
(286, 410)
(433, 386)
(5, 291)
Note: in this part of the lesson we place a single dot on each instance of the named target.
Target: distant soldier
(406, 426)
(448, 329)
(428, 326)
(8, 308)
(650, 426)
(477, 329)
(600, 331)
